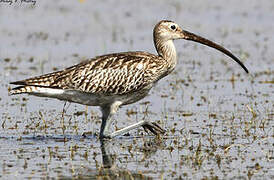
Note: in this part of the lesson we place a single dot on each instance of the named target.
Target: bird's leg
(106, 122)
(153, 127)
(109, 110)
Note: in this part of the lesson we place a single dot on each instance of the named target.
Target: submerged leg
(107, 120)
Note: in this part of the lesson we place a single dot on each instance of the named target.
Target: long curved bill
(193, 37)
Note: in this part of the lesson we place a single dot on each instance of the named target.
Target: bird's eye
(173, 27)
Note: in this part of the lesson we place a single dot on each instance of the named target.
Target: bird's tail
(37, 90)
(22, 89)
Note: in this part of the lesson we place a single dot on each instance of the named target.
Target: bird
(114, 80)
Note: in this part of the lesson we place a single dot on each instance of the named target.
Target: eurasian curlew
(114, 80)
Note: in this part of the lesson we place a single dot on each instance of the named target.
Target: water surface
(219, 120)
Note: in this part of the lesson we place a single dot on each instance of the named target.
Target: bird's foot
(86, 134)
(153, 127)
(104, 136)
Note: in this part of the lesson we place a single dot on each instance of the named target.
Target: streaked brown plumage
(118, 74)
(113, 80)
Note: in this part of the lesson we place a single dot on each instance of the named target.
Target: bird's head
(167, 30)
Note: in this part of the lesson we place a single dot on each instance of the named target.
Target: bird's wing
(118, 73)
(46, 80)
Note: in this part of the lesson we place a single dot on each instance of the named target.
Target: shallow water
(219, 120)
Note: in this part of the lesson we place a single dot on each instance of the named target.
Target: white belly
(89, 99)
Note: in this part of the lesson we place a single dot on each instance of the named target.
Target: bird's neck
(166, 49)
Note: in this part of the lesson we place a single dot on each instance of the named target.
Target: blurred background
(219, 120)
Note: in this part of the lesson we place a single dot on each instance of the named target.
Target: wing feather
(118, 73)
